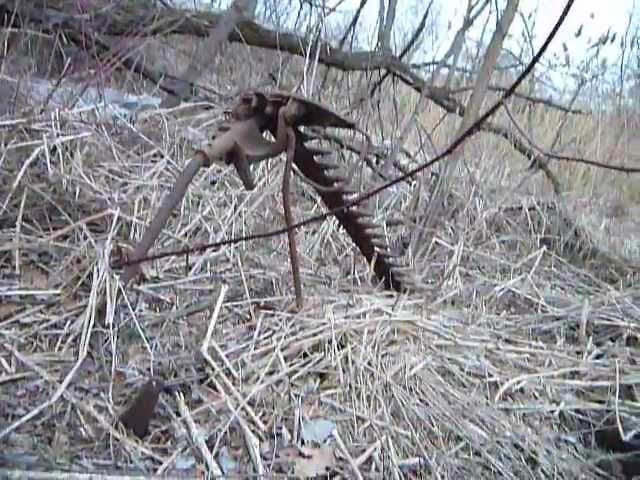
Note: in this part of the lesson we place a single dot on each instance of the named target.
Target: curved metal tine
(347, 192)
(360, 213)
(316, 186)
(328, 165)
(378, 241)
(288, 214)
(386, 256)
(335, 177)
(305, 137)
(368, 225)
(319, 152)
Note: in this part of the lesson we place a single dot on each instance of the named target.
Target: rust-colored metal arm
(166, 207)
(241, 144)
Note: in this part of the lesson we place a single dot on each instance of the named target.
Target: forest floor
(514, 356)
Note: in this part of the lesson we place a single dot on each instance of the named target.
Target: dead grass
(520, 340)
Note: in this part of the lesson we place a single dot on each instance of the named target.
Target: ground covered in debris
(514, 354)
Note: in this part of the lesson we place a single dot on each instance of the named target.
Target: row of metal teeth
(359, 215)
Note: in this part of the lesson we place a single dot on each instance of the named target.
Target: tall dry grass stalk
(513, 348)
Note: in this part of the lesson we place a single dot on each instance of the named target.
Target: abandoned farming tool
(240, 142)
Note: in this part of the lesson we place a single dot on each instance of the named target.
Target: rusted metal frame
(357, 222)
(289, 220)
(241, 145)
(334, 190)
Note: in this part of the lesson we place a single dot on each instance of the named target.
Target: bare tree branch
(475, 127)
(386, 19)
(248, 32)
(352, 24)
(407, 48)
(456, 46)
(443, 184)
(207, 50)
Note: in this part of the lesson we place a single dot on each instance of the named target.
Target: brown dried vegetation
(514, 356)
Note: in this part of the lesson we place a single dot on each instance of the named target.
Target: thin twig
(204, 349)
(197, 437)
(288, 218)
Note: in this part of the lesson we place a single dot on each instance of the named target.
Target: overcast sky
(596, 16)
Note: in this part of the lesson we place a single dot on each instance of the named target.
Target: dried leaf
(228, 464)
(34, 278)
(8, 309)
(184, 462)
(317, 430)
(139, 414)
(314, 461)
(137, 354)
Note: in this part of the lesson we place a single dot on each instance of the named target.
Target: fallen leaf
(60, 442)
(8, 309)
(317, 430)
(184, 462)
(138, 415)
(228, 464)
(34, 278)
(314, 461)
(137, 354)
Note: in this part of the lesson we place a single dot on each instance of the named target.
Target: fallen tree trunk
(141, 20)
